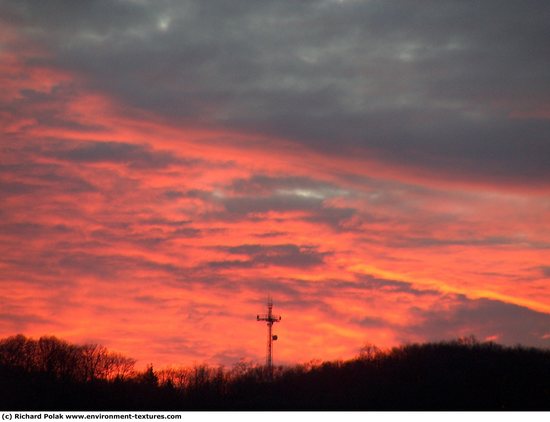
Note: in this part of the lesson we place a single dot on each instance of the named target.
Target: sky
(380, 168)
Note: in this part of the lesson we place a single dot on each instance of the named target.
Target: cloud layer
(379, 167)
(457, 90)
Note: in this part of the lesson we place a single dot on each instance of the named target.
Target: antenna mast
(271, 319)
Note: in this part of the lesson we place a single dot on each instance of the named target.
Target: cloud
(48, 108)
(422, 242)
(22, 321)
(390, 286)
(288, 255)
(270, 234)
(34, 230)
(484, 318)
(180, 155)
(261, 184)
(71, 263)
(137, 156)
(30, 177)
(260, 194)
(18, 188)
(451, 89)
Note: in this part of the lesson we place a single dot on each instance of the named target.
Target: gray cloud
(22, 320)
(286, 255)
(391, 286)
(270, 234)
(266, 193)
(433, 85)
(28, 177)
(314, 208)
(29, 230)
(17, 188)
(44, 108)
(421, 242)
(484, 318)
(258, 195)
(137, 156)
(108, 267)
(18, 317)
(259, 184)
(243, 206)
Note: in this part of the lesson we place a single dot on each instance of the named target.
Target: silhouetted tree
(463, 374)
(148, 377)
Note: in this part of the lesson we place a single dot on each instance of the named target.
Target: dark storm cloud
(434, 84)
(484, 318)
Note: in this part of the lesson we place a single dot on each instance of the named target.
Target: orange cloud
(162, 241)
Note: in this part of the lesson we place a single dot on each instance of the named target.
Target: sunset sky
(381, 168)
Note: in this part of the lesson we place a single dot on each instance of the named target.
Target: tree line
(61, 360)
(464, 374)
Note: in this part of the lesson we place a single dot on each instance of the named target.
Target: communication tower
(270, 319)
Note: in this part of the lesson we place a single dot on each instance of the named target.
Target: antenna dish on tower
(270, 319)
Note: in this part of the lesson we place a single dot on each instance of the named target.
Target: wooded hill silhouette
(51, 374)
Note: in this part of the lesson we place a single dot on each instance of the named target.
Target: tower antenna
(270, 319)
